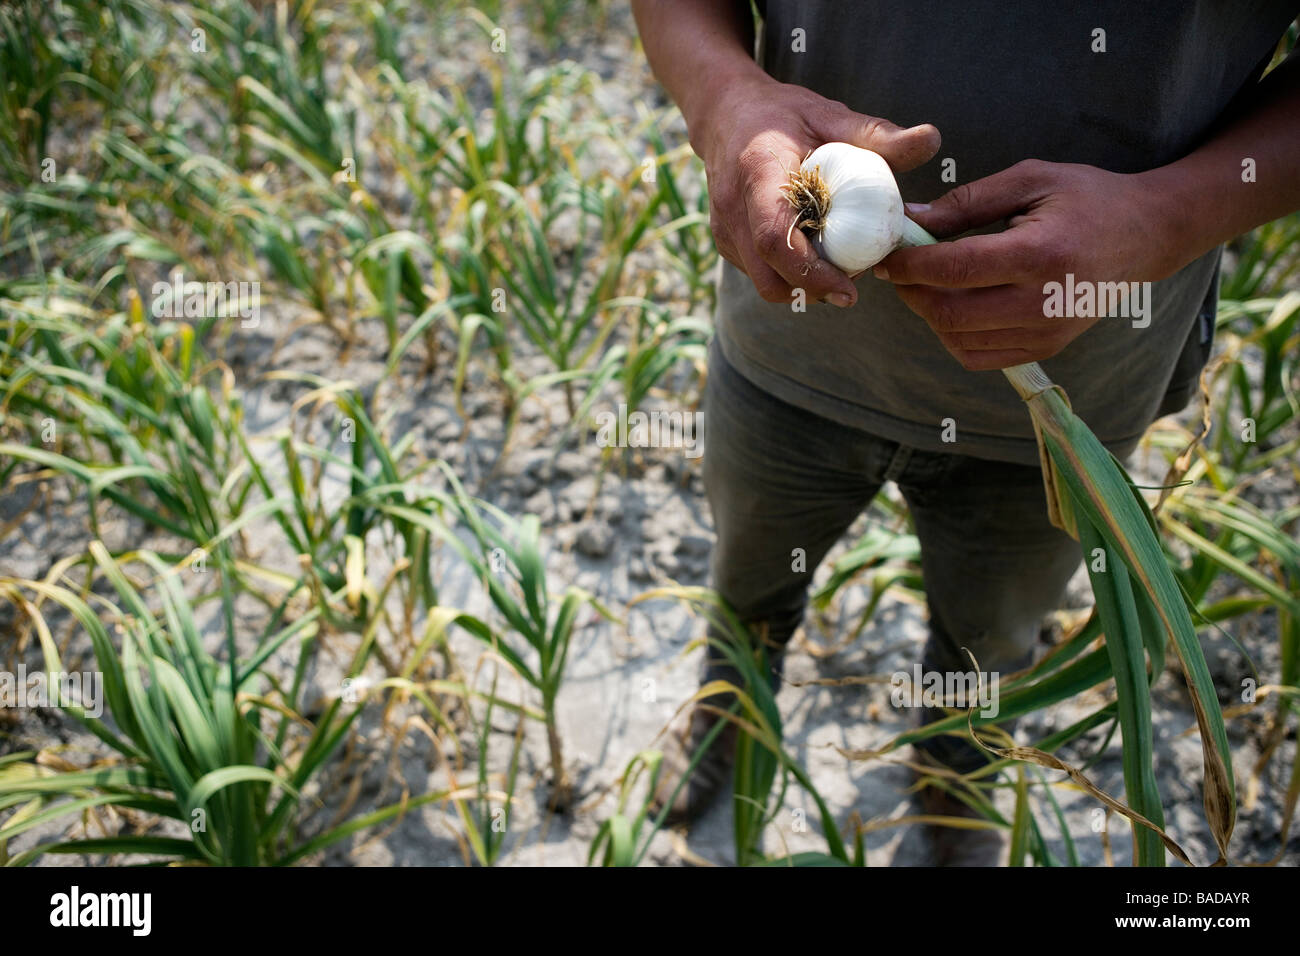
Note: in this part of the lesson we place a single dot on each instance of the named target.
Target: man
(1115, 142)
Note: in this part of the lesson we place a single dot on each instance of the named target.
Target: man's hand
(984, 295)
(750, 138)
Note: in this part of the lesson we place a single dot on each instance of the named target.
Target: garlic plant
(848, 201)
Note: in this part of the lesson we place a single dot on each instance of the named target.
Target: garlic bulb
(847, 198)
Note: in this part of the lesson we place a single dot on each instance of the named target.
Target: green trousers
(785, 484)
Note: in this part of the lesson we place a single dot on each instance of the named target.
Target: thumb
(903, 149)
(983, 201)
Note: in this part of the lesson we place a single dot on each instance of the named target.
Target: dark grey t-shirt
(1003, 82)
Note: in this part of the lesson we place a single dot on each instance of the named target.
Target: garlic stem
(1028, 379)
(914, 235)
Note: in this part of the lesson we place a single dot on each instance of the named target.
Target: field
(310, 317)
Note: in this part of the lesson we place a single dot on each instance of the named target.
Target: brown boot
(954, 846)
(684, 738)
(679, 746)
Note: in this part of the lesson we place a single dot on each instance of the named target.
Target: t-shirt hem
(1018, 451)
(1178, 397)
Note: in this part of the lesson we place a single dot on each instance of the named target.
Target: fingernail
(917, 206)
(839, 299)
(880, 272)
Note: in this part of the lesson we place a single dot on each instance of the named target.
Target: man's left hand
(984, 295)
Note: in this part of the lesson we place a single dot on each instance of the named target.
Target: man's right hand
(750, 137)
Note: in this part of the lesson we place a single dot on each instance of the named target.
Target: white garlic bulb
(849, 200)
